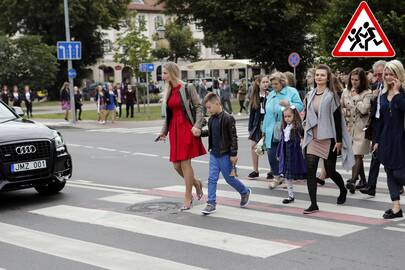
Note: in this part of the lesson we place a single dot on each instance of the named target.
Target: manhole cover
(154, 207)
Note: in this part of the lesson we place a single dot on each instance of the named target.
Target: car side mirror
(18, 111)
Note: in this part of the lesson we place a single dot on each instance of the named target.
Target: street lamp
(161, 30)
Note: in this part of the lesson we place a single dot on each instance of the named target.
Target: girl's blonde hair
(397, 68)
(174, 74)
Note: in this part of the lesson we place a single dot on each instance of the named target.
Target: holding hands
(196, 132)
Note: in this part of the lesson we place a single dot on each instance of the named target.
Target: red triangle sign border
(363, 6)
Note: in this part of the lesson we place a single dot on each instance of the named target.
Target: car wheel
(51, 188)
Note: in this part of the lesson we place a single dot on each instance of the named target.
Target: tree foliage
(330, 26)
(26, 60)
(132, 46)
(46, 19)
(182, 44)
(266, 31)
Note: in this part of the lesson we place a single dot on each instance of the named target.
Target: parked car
(90, 91)
(31, 154)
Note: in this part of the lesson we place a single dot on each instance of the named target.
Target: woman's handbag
(277, 132)
(261, 147)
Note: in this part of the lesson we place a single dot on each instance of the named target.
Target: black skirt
(288, 168)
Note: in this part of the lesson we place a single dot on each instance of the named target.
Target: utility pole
(72, 94)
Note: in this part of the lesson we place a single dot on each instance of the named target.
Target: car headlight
(59, 143)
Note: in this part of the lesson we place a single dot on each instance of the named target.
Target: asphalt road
(120, 211)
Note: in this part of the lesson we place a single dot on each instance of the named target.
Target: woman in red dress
(183, 123)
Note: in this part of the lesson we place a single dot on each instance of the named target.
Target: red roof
(147, 6)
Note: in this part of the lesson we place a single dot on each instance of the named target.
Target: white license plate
(28, 166)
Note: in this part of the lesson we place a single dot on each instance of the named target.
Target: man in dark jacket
(223, 144)
(130, 99)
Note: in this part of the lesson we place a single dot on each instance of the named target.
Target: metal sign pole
(147, 90)
(295, 78)
(72, 94)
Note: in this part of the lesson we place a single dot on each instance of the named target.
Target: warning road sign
(363, 37)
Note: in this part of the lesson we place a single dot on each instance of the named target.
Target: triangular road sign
(363, 37)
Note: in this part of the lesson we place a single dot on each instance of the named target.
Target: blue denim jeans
(222, 164)
(272, 156)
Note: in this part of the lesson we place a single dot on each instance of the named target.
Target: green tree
(181, 43)
(266, 31)
(46, 19)
(132, 46)
(330, 26)
(26, 60)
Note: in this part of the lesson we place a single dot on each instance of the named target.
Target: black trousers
(29, 109)
(242, 106)
(374, 171)
(119, 110)
(330, 167)
(78, 109)
(227, 105)
(395, 181)
(130, 107)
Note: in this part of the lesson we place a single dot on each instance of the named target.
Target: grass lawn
(51, 103)
(154, 114)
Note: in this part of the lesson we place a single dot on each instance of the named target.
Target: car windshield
(6, 114)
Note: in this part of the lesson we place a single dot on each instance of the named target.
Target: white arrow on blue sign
(72, 73)
(146, 67)
(69, 50)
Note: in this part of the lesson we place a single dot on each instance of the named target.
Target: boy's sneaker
(270, 175)
(244, 200)
(209, 209)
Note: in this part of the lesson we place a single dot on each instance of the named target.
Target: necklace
(319, 94)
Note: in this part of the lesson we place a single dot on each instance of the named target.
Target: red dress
(183, 144)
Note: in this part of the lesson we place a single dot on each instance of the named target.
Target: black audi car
(31, 154)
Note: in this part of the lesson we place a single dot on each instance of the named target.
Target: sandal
(187, 207)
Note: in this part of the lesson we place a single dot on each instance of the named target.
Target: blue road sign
(146, 67)
(294, 59)
(72, 73)
(69, 50)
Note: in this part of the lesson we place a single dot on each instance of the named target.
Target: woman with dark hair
(325, 135)
(356, 107)
(256, 116)
(65, 100)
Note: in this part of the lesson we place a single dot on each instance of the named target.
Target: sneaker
(244, 200)
(209, 209)
(312, 209)
(253, 174)
(288, 200)
(270, 175)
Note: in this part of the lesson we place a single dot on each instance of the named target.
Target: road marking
(145, 154)
(130, 198)
(73, 145)
(87, 183)
(395, 229)
(332, 208)
(106, 149)
(95, 188)
(325, 191)
(84, 252)
(125, 152)
(89, 147)
(198, 236)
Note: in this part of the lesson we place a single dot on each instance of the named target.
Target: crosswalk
(242, 130)
(268, 228)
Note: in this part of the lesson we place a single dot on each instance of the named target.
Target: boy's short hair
(211, 97)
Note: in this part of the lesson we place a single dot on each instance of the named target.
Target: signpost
(294, 60)
(147, 67)
(69, 50)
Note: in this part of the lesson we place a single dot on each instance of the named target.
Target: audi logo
(25, 149)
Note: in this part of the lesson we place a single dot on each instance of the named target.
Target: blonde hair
(280, 77)
(290, 78)
(397, 68)
(174, 74)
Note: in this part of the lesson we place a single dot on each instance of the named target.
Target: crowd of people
(16, 98)
(344, 115)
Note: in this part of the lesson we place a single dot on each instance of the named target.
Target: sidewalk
(90, 124)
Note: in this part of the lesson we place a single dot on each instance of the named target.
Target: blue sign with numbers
(69, 50)
(294, 59)
(72, 73)
(146, 67)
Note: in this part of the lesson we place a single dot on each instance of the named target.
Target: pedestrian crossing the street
(266, 216)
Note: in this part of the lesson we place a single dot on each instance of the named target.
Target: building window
(141, 19)
(200, 74)
(107, 45)
(215, 73)
(184, 75)
(158, 22)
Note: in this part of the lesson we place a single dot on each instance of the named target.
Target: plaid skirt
(288, 172)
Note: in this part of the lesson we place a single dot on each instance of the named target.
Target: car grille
(9, 154)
